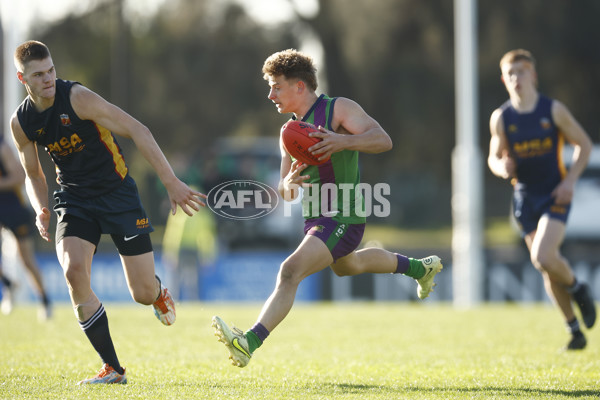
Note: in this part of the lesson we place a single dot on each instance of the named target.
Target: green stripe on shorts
(334, 238)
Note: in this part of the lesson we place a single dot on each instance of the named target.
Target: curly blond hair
(292, 64)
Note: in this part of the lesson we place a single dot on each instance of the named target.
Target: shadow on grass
(349, 388)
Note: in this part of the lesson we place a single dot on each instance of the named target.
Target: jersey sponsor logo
(65, 120)
(142, 223)
(533, 147)
(66, 145)
(40, 132)
(512, 128)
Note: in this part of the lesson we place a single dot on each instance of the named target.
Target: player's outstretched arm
(88, 105)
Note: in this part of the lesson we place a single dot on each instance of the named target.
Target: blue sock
(256, 336)
(403, 264)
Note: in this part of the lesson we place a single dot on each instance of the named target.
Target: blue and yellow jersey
(342, 171)
(87, 156)
(536, 144)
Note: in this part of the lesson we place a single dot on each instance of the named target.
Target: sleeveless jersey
(536, 144)
(87, 156)
(334, 183)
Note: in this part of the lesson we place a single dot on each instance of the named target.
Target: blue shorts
(340, 238)
(529, 208)
(118, 212)
(17, 217)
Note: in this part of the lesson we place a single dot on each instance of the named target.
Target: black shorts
(118, 212)
(17, 217)
(132, 245)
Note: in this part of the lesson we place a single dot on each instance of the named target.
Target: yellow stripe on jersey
(107, 138)
(559, 149)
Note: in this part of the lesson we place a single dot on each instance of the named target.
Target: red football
(296, 141)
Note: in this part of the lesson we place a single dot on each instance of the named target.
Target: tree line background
(192, 74)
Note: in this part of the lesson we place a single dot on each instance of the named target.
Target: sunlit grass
(321, 351)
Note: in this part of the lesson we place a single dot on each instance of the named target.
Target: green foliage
(321, 351)
(192, 74)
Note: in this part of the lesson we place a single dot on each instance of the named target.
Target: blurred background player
(188, 245)
(97, 195)
(16, 217)
(331, 238)
(527, 136)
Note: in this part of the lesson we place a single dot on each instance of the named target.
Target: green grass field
(321, 351)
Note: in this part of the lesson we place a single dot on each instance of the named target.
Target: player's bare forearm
(499, 167)
(581, 156)
(373, 141)
(37, 191)
(291, 181)
(179, 193)
(288, 192)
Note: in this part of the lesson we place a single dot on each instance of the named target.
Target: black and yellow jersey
(87, 156)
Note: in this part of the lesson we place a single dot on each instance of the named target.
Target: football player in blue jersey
(527, 136)
(78, 129)
(16, 217)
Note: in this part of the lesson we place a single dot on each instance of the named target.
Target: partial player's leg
(6, 306)
(26, 252)
(342, 240)
(311, 256)
(560, 283)
(75, 256)
(380, 261)
(76, 241)
(145, 287)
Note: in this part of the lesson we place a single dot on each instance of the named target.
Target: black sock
(6, 281)
(575, 287)
(573, 327)
(96, 329)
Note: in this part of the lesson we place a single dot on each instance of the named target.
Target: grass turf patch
(321, 351)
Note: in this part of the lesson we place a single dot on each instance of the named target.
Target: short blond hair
(29, 51)
(517, 55)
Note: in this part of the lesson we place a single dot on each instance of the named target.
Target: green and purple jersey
(334, 191)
